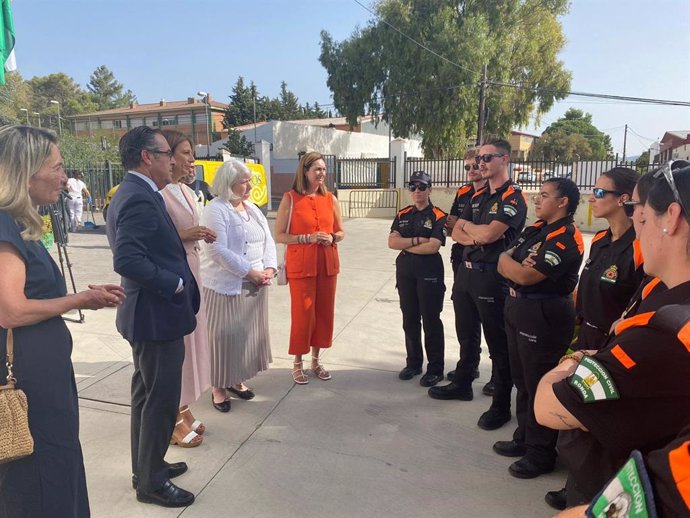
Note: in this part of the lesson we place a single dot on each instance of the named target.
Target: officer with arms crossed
(418, 231)
(493, 219)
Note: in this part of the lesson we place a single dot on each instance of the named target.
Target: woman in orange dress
(311, 261)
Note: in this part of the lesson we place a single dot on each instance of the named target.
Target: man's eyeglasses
(599, 193)
(667, 172)
(417, 187)
(169, 153)
(488, 157)
(474, 166)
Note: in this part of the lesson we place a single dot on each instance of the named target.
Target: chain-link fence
(99, 179)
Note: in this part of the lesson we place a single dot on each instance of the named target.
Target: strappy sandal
(197, 426)
(298, 374)
(318, 370)
(191, 440)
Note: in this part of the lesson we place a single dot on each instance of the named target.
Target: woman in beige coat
(180, 201)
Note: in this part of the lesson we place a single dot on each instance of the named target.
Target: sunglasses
(488, 157)
(667, 172)
(417, 187)
(474, 166)
(632, 203)
(599, 193)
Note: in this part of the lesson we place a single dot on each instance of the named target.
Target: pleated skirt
(238, 334)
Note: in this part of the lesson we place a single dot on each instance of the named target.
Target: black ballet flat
(242, 394)
(221, 407)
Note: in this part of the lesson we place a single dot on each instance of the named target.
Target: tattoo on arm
(564, 420)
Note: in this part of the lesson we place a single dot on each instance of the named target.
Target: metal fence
(364, 173)
(99, 179)
(529, 173)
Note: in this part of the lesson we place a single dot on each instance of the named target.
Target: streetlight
(59, 119)
(204, 95)
(38, 116)
(27, 115)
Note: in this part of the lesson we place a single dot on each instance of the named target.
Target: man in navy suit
(162, 300)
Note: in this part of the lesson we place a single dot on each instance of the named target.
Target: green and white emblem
(593, 381)
(552, 258)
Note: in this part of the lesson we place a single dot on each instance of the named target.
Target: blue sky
(172, 49)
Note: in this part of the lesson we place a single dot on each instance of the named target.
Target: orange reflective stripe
(650, 287)
(578, 239)
(408, 209)
(560, 245)
(599, 235)
(637, 254)
(679, 463)
(463, 190)
(623, 357)
(480, 191)
(439, 213)
(510, 190)
(555, 233)
(684, 336)
(641, 319)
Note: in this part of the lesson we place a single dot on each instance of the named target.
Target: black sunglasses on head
(417, 187)
(667, 172)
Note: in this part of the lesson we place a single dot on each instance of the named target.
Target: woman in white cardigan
(236, 270)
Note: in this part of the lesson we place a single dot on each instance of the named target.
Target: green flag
(6, 39)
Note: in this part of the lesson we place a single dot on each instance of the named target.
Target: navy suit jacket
(150, 257)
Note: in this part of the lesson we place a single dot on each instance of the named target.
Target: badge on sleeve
(610, 275)
(552, 258)
(509, 210)
(593, 381)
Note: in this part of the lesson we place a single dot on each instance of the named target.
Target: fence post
(398, 154)
(109, 166)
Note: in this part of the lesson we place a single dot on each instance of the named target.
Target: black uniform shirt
(559, 248)
(634, 393)
(428, 222)
(462, 196)
(669, 471)
(611, 275)
(506, 205)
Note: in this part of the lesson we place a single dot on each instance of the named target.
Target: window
(117, 124)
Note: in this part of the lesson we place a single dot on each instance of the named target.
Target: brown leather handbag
(15, 437)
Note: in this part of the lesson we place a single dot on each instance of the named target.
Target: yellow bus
(206, 171)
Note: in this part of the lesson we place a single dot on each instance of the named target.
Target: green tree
(106, 92)
(62, 88)
(238, 144)
(643, 159)
(577, 122)
(289, 104)
(83, 151)
(561, 146)
(240, 110)
(14, 95)
(381, 72)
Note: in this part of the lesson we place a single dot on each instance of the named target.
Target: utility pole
(482, 96)
(625, 140)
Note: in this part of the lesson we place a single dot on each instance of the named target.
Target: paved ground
(362, 445)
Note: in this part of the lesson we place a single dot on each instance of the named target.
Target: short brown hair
(499, 143)
(175, 138)
(305, 162)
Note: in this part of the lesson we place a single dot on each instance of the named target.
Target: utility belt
(482, 267)
(534, 296)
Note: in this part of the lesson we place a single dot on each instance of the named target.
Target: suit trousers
(156, 385)
(419, 279)
(470, 331)
(538, 332)
(480, 296)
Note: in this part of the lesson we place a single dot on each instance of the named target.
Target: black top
(428, 222)
(611, 275)
(634, 393)
(669, 472)
(559, 248)
(43, 278)
(506, 205)
(462, 196)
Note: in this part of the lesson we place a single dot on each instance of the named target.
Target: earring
(664, 230)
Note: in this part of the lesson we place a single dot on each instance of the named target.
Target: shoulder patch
(637, 254)
(439, 213)
(405, 210)
(481, 191)
(552, 258)
(593, 381)
(510, 190)
(577, 235)
(463, 190)
(649, 288)
(509, 210)
(599, 235)
(556, 232)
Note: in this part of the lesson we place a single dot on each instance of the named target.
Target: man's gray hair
(229, 174)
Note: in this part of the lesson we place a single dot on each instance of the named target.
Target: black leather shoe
(556, 499)
(527, 468)
(451, 375)
(242, 394)
(175, 469)
(493, 419)
(429, 380)
(510, 448)
(167, 496)
(451, 391)
(221, 407)
(488, 389)
(408, 373)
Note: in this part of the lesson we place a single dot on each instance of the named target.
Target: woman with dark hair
(541, 268)
(634, 392)
(33, 297)
(315, 227)
(180, 202)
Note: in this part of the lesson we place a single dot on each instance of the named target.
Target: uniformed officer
(418, 231)
(613, 271)
(542, 269)
(471, 334)
(633, 393)
(492, 220)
